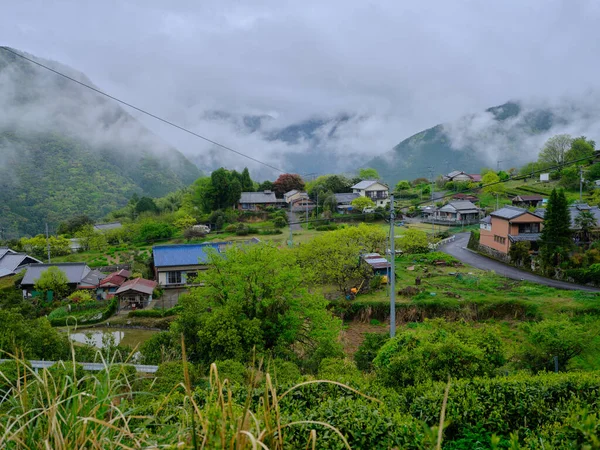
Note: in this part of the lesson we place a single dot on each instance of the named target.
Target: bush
(329, 227)
(414, 357)
(155, 312)
(231, 228)
(269, 232)
(279, 222)
(10, 373)
(234, 371)
(283, 372)
(367, 350)
(337, 369)
(170, 375)
(242, 230)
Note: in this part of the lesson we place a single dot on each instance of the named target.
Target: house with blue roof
(175, 264)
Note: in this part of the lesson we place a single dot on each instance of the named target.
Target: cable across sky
(143, 111)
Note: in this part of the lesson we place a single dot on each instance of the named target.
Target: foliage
(146, 205)
(593, 173)
(519, 253)
(254, 298)
(38, 245)
(402, 185)
(438, 352)
(81, 297)
(151, 231)
(555, 150)
(581, 148)
(368, 174)
(334, 258)
(361, 203)
(474, 240)
(184, 222)
(232, 370)
(89, 239)
(221, 190)
(555, 238)
(490, 178)
(52, 279)
(569, 177)
(288, 182)
(585, 221)
(551, 338)
(413, 241)
(74, 224)
(367, 351)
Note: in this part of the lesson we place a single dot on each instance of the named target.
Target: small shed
(378, 263)
(136, 293)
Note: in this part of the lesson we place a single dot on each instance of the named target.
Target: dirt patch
(354, 334)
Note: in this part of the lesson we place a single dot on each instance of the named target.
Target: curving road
(458, 249)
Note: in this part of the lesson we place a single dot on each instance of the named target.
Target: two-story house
(506, 226)
(376, 191)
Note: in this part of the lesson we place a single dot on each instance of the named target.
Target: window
(499, 239)
(529, 228)
(173, 277)
(191, 276)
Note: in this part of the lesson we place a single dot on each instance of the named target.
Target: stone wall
(493, 253)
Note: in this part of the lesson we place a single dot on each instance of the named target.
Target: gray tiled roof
(509, 212)
(486, 219)
(258, 197)
(75, 272)
(365, 184)
(464, 206)
(107, 226)
(346, 197)
(531, 237)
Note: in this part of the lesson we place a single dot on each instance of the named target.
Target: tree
(151, 231)
(581, 148)
(146, 204)
(569, 177)
(90, 239)
(593, 173)
(417, 181)
(413, 241)
(254, 298)
(265, 186)
(361, 203)
(493, 179)
(52, 279)
(37, 245)
(334, 258)
(184, 222)
(368, 174)
(74, 224)
(519, 253)
(246, 181)
(585, 221)
(402, 185)
(288, 182)
(555, 149)
(555, 239)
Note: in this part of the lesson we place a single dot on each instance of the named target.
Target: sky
(399, 67)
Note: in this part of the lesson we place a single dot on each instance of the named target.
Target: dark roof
(75, 272)
(114, 279)
(107, 226)
(258, 197)
(189, 254)
(468, 197)
(486, 219)
(91, 280)
(531, 237)
(376, 261)
(138, 285)
(509, 212)
(528, 198)
(366, 184)
(461, 206)
(346, 198)
(12, 261)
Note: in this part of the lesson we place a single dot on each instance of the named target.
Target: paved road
(458, 249)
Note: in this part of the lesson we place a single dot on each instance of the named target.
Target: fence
(442, 242)
(36, 365)
(451, 223)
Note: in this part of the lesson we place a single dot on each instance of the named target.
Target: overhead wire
(143, 111)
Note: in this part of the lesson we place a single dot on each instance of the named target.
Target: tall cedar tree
(556, 235)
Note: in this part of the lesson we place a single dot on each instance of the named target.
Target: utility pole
(432, 202)
(580, 183)
(392, 279)
(47, 242)
(498, 165)
(496, 201)
(291, 239)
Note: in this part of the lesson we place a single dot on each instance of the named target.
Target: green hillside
(467, 143)
(65, 150)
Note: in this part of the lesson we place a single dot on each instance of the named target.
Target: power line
(154, 116)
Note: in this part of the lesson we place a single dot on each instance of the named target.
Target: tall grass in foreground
(66, 408)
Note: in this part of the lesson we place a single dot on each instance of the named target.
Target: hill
(509, 132)
(66, 150)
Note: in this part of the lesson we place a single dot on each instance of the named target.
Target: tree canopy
(368, 174)
(555, 239)
(52, 279)
(361, 203)
(288, 182)
(555, 149)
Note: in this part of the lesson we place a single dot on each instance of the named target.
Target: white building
(376, 191)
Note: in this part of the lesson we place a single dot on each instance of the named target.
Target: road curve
(458, 249)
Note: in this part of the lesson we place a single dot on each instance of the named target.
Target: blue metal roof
(185, 254)
(188, 254)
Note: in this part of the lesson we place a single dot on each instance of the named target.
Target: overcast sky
(407, 65)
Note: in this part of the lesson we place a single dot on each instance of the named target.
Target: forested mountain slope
(66, 150)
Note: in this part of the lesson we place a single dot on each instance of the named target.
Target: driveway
(458, 249)
(293, 219)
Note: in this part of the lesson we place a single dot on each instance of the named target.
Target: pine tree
(247, 184)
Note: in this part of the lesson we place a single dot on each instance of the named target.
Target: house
(376, 191)
(427, 212)
(175, 264)
(460, 212)
(465, 197)
(292, 195)
(527, 201)
(79, 276)
(506, 226)
(135, 294)
(457, 175)
(344, 201)
(574, 211)
(378, 263)
(103, 227)
(302, 204)
(109, 285)
(12, 262)
(254, 201)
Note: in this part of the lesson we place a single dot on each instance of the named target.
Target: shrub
(329, 227)
(338, 369)
(367, 350)
(234, 371)
(242, 230)
(413, 241)
(279, 222)
(170, 374)
(283, 372)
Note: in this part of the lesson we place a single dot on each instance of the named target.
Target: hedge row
(82, 320)
(157, 313)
